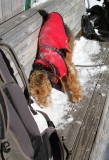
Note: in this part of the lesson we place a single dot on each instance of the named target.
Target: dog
(96, 19)
(53, 67)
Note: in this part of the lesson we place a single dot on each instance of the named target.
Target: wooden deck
(83, 136)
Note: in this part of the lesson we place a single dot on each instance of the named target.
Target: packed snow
(93, 2)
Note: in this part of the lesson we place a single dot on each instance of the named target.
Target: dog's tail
(44, 15)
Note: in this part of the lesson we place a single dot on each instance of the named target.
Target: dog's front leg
(73, 84)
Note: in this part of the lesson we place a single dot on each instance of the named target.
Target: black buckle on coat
(55, 81)
(62, 51)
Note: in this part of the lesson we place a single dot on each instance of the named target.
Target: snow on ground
(84, 54)
(93, 2)
(84, 49)
(38, 2)
(59, 111)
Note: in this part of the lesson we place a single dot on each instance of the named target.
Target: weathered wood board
(100, 150)
(10, 8)
(6, 9)
(0, 10)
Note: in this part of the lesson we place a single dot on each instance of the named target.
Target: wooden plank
(6, 9)
(84, 142)
(101, 142)
(0, 10)
(59, 6)
(27, 42)
(13, 22)
(74, 22)
(17, 6)
(22, 31)
(23, 46)
(28, 67)
(72, 15)
(76, 29)
(18, 19)
(27, 70)
(26, 56)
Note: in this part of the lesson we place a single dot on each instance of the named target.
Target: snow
(38, 2)
(59, 111)
(85, 48)
(93, 2)
(56, 112)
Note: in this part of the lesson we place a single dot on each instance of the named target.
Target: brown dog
(53, 65)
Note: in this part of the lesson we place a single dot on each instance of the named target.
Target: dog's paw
(77, 98)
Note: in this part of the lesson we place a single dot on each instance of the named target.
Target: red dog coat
(53, 34)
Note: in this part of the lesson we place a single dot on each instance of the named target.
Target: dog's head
(40, 87)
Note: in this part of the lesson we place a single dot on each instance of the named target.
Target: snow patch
(93, 2)
(38, 2)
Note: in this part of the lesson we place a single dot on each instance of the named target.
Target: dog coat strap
(40, 64)
(62, 51)
(55, 81)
